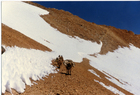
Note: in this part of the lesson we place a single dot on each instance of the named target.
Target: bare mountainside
(72, 25)
(81, 82)
(11, 37)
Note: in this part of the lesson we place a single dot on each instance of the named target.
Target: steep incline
(81, 80)
(72, 25)
(59, 83)
(11, 37)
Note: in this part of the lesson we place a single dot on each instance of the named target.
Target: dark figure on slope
(2, 50)
(67, 63)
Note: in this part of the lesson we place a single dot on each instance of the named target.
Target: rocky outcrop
(2, 50)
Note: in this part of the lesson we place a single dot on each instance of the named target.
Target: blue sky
(120, 14)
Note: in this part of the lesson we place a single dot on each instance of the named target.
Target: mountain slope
(72, 25)
(80, 73)
(75, 26)
(11, 37)
(84, 78)
(79, 83)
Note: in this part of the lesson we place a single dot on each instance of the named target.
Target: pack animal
(59, 61)
(67, 63)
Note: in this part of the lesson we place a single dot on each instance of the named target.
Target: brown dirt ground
(11, 37)
(73, 25)
(81, 82)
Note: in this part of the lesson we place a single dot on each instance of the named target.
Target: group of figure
(59, 60)
(67, 63)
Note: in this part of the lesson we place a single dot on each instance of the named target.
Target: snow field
(20, 64)
(123, 64)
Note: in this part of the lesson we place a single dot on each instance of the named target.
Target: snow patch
(114, 90)
(123, 64)
(20, 64)
(93, 72)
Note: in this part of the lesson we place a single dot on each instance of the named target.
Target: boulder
(2, 50)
